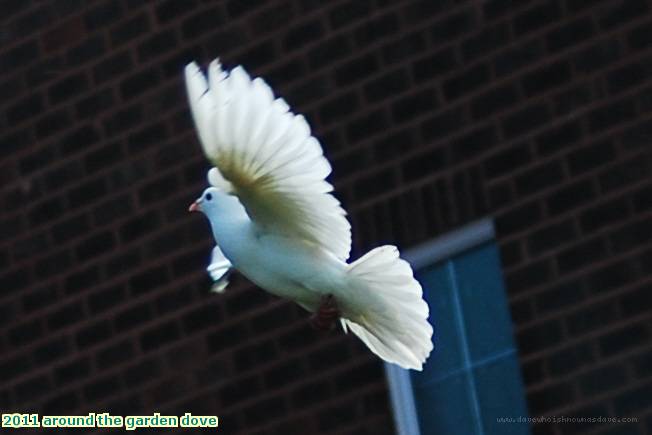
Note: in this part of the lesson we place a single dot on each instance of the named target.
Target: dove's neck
(232, 231)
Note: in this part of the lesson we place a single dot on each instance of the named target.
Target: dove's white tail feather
(391, 318)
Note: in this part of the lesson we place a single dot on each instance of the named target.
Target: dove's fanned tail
(393, 322)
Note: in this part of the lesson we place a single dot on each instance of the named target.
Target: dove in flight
(275, 220)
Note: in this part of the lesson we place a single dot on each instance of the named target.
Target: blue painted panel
(446, 407)
(447, 355)
(500, 394)
(484, 305)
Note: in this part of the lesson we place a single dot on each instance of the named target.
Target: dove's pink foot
(326, 316)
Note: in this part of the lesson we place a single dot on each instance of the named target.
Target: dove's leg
(326, 316)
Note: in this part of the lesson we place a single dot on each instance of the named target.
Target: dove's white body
(288, 267)
(275, 220)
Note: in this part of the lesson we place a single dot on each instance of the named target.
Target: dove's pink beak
(194, 207)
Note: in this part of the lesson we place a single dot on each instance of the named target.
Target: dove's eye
(208, 197)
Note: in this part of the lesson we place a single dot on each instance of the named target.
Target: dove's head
(217, 204)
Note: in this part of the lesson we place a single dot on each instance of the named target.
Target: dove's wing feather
(267, 156)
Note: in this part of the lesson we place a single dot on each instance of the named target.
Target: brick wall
(433, 113)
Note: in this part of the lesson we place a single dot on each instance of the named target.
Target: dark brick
(573, 98)
(66, 315)
(540, 177)
(536, 17)
(115, 354)
(40, 298)
(430, 66)
(455, 25)
(570, 196)
(639, 37)
(473, 143)
(87, 193)
(622, 12)
(201, 318)
(613, 276)
(565, 294)
(604, 214)
(94, 104)
(138, 83)
(94, 246)
(623, 339)
(546, 78)
(142, 372)
(20, 55)
(356, 70)
(72, 371)
(338, 107)
(530, 275)
(443, 123)
(80, 139)
(550, 397)
(629, 75)
(132, 317)
(570, 34)
(581, 255)
(32, 389)
(590, 157)
(634, 400)
(159, 335)
(106, 298)
(403, 48)
(387, 85)
(592, 317)
(129, 29)
(103, 14)
(558, 138)
(70, 228)
(375, 29)
(171, 9)
(328, 51)
(506, 161)
(259, 55)
(25, 332)
(46, 211)
(94, 333)
(156, 45)
(52, 123)
(51, 350)
(173, 300)
(466, 81)
(123, 120)
(598, 55)
(413, 106)
(365, 127)
(423, 165)
(303, 33)
(148, 280)
(102, 388)
(493, 101)
(53, 264)
(113, 66)
(349, 11)
(25, 109)
(16, 365)
(490, 39)
(91, 48)
(571, 358)
(551, 237)
(525, 120)
(610, 115)
(518, 57)
(202, 22)
(422, 9)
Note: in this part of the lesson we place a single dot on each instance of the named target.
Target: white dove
(275, 220)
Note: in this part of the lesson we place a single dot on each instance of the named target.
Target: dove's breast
(290, 268)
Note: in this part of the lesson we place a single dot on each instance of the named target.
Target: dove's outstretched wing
(265, 154)
(219, 270)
